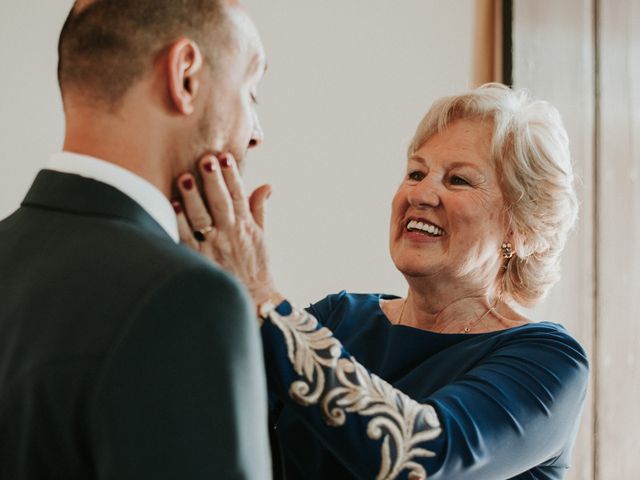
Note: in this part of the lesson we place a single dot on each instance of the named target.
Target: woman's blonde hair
(530, 150)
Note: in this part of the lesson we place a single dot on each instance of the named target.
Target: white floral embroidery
(401, 422)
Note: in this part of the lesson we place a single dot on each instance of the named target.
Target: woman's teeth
(414, 226)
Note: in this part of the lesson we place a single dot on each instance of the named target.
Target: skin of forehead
(467, 141)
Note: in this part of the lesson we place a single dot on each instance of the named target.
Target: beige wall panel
(619, 236)
(554, 59)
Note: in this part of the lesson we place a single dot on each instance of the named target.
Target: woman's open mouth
(425, 228)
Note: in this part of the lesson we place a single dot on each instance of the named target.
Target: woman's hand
(230, 231)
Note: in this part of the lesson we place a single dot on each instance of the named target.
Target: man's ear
(80, 5)
(184, 64)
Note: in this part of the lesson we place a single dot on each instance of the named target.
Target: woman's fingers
(257, 203)
(192, 202)
(228, 226)
(234, 184)
(184, 229)
(217, 193)
(224, 193)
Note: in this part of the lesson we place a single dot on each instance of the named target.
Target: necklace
(466, 329)
(469, 326)
(402, 311)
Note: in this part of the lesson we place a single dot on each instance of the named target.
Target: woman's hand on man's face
(224, 225)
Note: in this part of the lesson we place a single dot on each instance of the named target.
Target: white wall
(348, 81)
(346, 85)
(31, 122)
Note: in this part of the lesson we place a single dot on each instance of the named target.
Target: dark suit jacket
(122, 355)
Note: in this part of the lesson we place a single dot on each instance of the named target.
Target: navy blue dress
(354, 396)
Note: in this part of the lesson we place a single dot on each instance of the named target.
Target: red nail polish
(177, 207)
(224, 160)
(187, 184)
(208, 166)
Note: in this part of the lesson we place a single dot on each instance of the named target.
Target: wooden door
(584, 57)
(618, 241)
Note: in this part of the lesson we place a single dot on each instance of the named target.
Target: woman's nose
(424, 194)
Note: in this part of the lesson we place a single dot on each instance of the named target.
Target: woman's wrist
(267, 300)
(268, 305)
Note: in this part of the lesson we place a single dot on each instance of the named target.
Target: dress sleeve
(513, 411)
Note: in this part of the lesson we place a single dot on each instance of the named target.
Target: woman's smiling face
(448, 215)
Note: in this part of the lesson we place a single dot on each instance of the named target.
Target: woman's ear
(184, 64)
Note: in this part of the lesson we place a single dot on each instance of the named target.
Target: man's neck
(129, 139)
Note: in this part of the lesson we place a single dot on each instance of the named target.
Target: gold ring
(201, 234)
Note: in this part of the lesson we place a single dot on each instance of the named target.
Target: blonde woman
(450, 382)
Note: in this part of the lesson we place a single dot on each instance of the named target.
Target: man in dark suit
(124, 355)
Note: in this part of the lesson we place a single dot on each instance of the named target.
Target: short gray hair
(530, 151)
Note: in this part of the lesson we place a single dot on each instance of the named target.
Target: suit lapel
(75, 194)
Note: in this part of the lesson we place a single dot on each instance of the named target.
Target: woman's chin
(418, 270)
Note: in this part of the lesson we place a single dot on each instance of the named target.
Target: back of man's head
(107, 45)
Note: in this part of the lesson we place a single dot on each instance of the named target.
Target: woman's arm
(374, 429)
(513, 411)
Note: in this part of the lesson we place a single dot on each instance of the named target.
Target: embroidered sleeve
(514, 409)
(326, 378)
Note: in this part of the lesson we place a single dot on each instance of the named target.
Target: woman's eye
(456, 180)
(415, 175)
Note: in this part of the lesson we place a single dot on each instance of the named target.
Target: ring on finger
(201, 234)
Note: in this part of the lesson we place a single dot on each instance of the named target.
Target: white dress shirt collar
(137, 188)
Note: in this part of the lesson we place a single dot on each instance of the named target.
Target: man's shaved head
(106, 45)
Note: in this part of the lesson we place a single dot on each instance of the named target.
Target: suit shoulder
(158, 255)
(190, 304)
